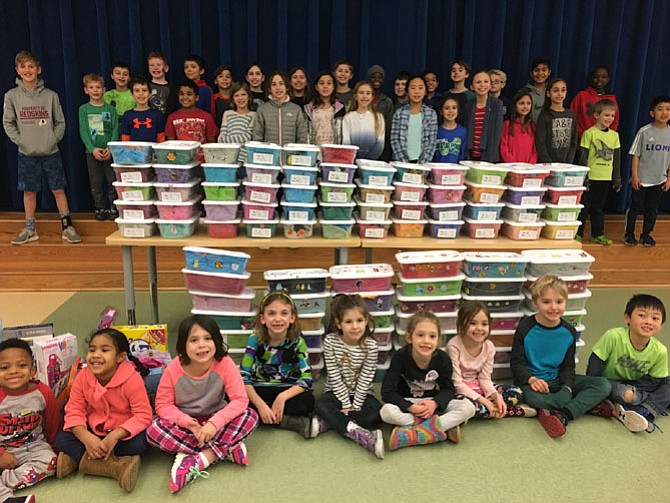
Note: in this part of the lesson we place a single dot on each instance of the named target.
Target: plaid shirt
(428, 134)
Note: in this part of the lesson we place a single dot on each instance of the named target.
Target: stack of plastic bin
(572, 266)
(261, 188)
(307, 288)
(565, 186)
(177, 184)
(337, 188)
(409, 207)
(221, 166)
(373, 283)
(484, 191)
(298, 205)
(523, 201)
(216, 280)
(134, 187)
(375, 184)
(445, 194)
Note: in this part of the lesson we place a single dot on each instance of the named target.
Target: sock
(65, 220)
(203, 462)
(30, 223)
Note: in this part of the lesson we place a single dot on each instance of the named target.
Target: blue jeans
(328, 408)
(73, 447)
(654, 396)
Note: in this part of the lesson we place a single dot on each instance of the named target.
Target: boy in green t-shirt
(98, 125)
(120, 97)
(636, 363)
(600, 150)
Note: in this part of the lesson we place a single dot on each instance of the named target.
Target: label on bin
(566, 216)
(564, 234)
(491, 179)
(375, 215)
(299, 180)
(530, 200)
(338, 176)
(487, 215)
(259, 197)
(257, 232)
(528, 217)
(130, 177)
(171, 197)
(375, 198)
(528, 234)
(374, 232)
(412, 197)
(489, 198)
(451, 179)
(448, 215)
(378, 180)
(446, 233)
(260, 158)
(410, 215)
(259, 214)
(529, 183)
(485, 232)
(573, 181)
(133, 232)
(298, 215)
(261, 178)
(133, 195)
(337, 197)
(567, 200)
(412, 178)
(300, 160)
(132, 214)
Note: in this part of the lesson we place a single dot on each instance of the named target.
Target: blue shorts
(33, 168)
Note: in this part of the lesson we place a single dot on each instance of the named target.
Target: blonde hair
(544, 283)
(261, 330)
(93, 77)
(23, 56)
(373, 107)
(499, 73)
(418, 317)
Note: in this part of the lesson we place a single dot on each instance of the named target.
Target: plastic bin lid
(511, 314)
(226, 275)
(494, 256)
(247, 183)
(190, 202)
(468, 183)
(227, 331)
(286, 185)
(525, 206)
(311, 204)
(482, 222)
(558, 223)
(563, 167)
(262, 166)
(372, 163)
(376, 314)
(421, 257)
(319, 331)
(358, 201)
(208, 202)
(121, 202)
(577, 277)
(262, 144)
(525, 189)
(450, 332)
(446, 165)
(312, 315)
(564, 206)
(410, 165)
(385, 330)
(334, 184)
(284, 274)
(189, 165)
(492, 298)
(512, 223)
(301, 146)
(433, 186)
(358, 271)
(477, 279)
(288, 223)
(219, 164)
(492, 167)
(215, 251)
(411, 203)
(222, 184)
(131, 143)
(350, 204)
(302, 296)
(254, 203)
(253, 312)
(336, 222)
(338, 146)
(445, 222)
(300, 168)
(220, 145)
(380, 169)
(131, 166)
(122, 221)
(361, 221)
(485, 205)
(579, 188)
(557, 256)
(133, 184)
(412, 185)
(183, 185)
(339, 165)
(260, 222)
(401, 221)
(177, 145)
(458, 277)
(190, 220)
(221, 222)
(441, 206)
(524, 169)
(362, 185)
(406, 298)
(247, 293)
(372, 295)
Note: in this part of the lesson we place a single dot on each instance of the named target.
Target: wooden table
(200, 238)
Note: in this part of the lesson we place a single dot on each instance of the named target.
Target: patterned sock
(429, 431)
(203, 462)
(30, 223)
(65, 220)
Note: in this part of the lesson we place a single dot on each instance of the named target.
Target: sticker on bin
(429, 264)
(135, 210)
(354, 278)
(565, 175)
(410, 172)
(212, 259)
(499, 304)
(377, 302)
(493, 286)
(314, 302)
(263, 153)
(437, 303)
(299, 154)
(136, 191)
(136, 227)
(568, 262)
(445, 173)
(297, 281)
(494, 264)
(419, 287)
(225, 153)
(262, 174)
(576, 284)
(131, 152)
(135, 173)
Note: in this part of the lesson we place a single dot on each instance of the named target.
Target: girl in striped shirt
(348, 404)
(237, 123)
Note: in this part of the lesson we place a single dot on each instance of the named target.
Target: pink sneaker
(238, 455)
(184, 470)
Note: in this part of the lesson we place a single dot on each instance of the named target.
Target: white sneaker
(632, 420)
(25, 236)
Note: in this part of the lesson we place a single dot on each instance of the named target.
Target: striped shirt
(350, 370)
(236, 128)
(479, 127)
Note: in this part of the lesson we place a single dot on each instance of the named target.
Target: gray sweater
(280, 123)
(33, 119)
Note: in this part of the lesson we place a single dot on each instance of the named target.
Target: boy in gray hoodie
(33, 119)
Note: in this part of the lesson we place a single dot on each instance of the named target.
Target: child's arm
(346, 128)
(377, 149)
(391, 382)
(334, 372)
(573, 138)
(211, 129)
(366, 377)
(140, 408)
(566, 371)
(616, 170)
(302, 133)
(258, 131)
(464, 145)
(115, 126)
(398, 136)
(542, 131)
(634, 170)
(429, 137)
(170, 132)
(85, 131)
(496, 128)
(9, 121)
(518, 354)
(160, 127)
(238, 400)
(165, 398)
(447, 392)
(249, 362)
(505, 144)
(595, 366)
(124, 127)
(457, 376)
(58, 119)
(52, 420)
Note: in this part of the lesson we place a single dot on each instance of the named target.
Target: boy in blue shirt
(650, 153)
(636, 363)
(194, 69)
(142, 123)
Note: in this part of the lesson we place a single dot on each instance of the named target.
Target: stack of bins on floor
(484, 191)
(261, 189)
(337, 189)
(373, 283)
(372, 200)
(216, 280)
(409, 207)
(298, 205)
(222, 167)
(445, 196)
(572, 266)
(496, 279)
(565, 187)
(134, 187)
(307, 288)
(430, 280)
(523, 201)
(178, 187)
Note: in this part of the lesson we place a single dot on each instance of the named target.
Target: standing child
(472, 356)
(106, 414)
(650, 156)
(636, 363)
(452, 138)
(364, 126)
(299, 86)
(276, 369)
(189, 122)
(484, 121)
(348, 404)
(400, 89)
(255, 77)
(142, 123)
(324, 112)
(98, 125)
(540, 69)
(223, 78)
(30, 423)
(343, 71)
(498, 83)
(238, 123)
(543, 363)
(418, 391)
(582, 104)
(202, 408)
(163, 96)
(432, 96)
(383, 105)
(517, 143)
(120, 97)
(414, 128)
(556, 126)
(194, 69)
(278, 120)
(460, 71)
(600, 150)
(37, 140)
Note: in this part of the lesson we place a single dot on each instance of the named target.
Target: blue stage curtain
(74, 37)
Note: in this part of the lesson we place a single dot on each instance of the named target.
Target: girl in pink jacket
(107, 413)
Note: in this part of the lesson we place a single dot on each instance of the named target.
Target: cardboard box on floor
(57, 363)
(145, 338)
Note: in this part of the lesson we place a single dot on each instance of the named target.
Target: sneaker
(25, 236)
(238, 455)
(632, 420)
(604, 409)
(185, 470)
(647, 241)
(578, 238)
(454, 434)
(101, 214)
(318, 426)
(629, 240)
(370, 440)
(30, 498)
(521, 410)
(300, 424)
(70, 235)
(553, 422)
(112, 214)
(601, 240)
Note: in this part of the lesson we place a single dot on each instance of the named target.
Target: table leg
(341, 256)
(153, 282)
(368, 255)
(129, 282)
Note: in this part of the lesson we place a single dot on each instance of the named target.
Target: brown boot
(124, 469)
(65, 465)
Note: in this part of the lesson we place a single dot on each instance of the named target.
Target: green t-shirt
(121, 101)
(414, 135)
(601, 146)
(97, 125)
(625, 363)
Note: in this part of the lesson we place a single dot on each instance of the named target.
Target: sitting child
(636, 363)
(417, 389)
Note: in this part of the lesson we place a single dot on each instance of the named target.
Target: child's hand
(616, 187)
(635, 182)
(98, 154)
(500, 404)
(424, 409)
(206, 433)
(345, 411)
(539, 385)
(666, 185)
(8, 461)
(267, 414)
(94, 447)
(108, 443)
(194, 427)
(106, 153)
(278, 408)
